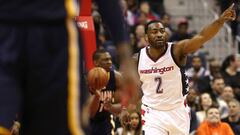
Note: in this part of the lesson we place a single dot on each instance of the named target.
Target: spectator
(145, 13)
(192, 99)
(196, 72)
(99, 28)
(145, 8)
(128, 14)
(214, 67)
(234, 116)
(205, 82)
(231, 74)
(140, 41)
(227, 94)
(141, 18)
(213, 124)
(205, 102)
(135, 123)
(132, 5)
(217, 88)
(182, 31)
(157, 6)
(166, 21)
(192, 103)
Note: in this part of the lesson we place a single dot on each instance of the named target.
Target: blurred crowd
(211, 82)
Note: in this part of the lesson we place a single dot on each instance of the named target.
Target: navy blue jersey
(37, 11)
(103, 120)
(39, 80)
(111, 87)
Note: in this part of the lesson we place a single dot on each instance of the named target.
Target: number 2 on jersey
(159, 82)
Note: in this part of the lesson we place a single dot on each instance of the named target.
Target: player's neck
(156, 52)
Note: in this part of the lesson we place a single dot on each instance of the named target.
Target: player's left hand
(229, 14)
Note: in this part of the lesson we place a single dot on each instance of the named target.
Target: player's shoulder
(118, 78)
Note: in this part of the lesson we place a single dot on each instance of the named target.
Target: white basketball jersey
(164, 83)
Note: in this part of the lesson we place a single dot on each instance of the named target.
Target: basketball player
(161, 71)
(38, 70)
(104, 101)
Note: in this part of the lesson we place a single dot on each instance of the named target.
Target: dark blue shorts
(39, 78)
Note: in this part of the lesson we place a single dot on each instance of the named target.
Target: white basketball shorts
(170, 122)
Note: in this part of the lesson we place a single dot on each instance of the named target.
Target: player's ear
(167, 35)
(146, 38)
(95, 63)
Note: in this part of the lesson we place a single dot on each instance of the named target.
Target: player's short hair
(97, 53)
(149, 23)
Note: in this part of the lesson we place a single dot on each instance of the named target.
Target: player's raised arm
(208, 32)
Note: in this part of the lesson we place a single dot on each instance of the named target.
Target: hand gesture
(229, 14)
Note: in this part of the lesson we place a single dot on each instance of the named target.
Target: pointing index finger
(231, 7)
